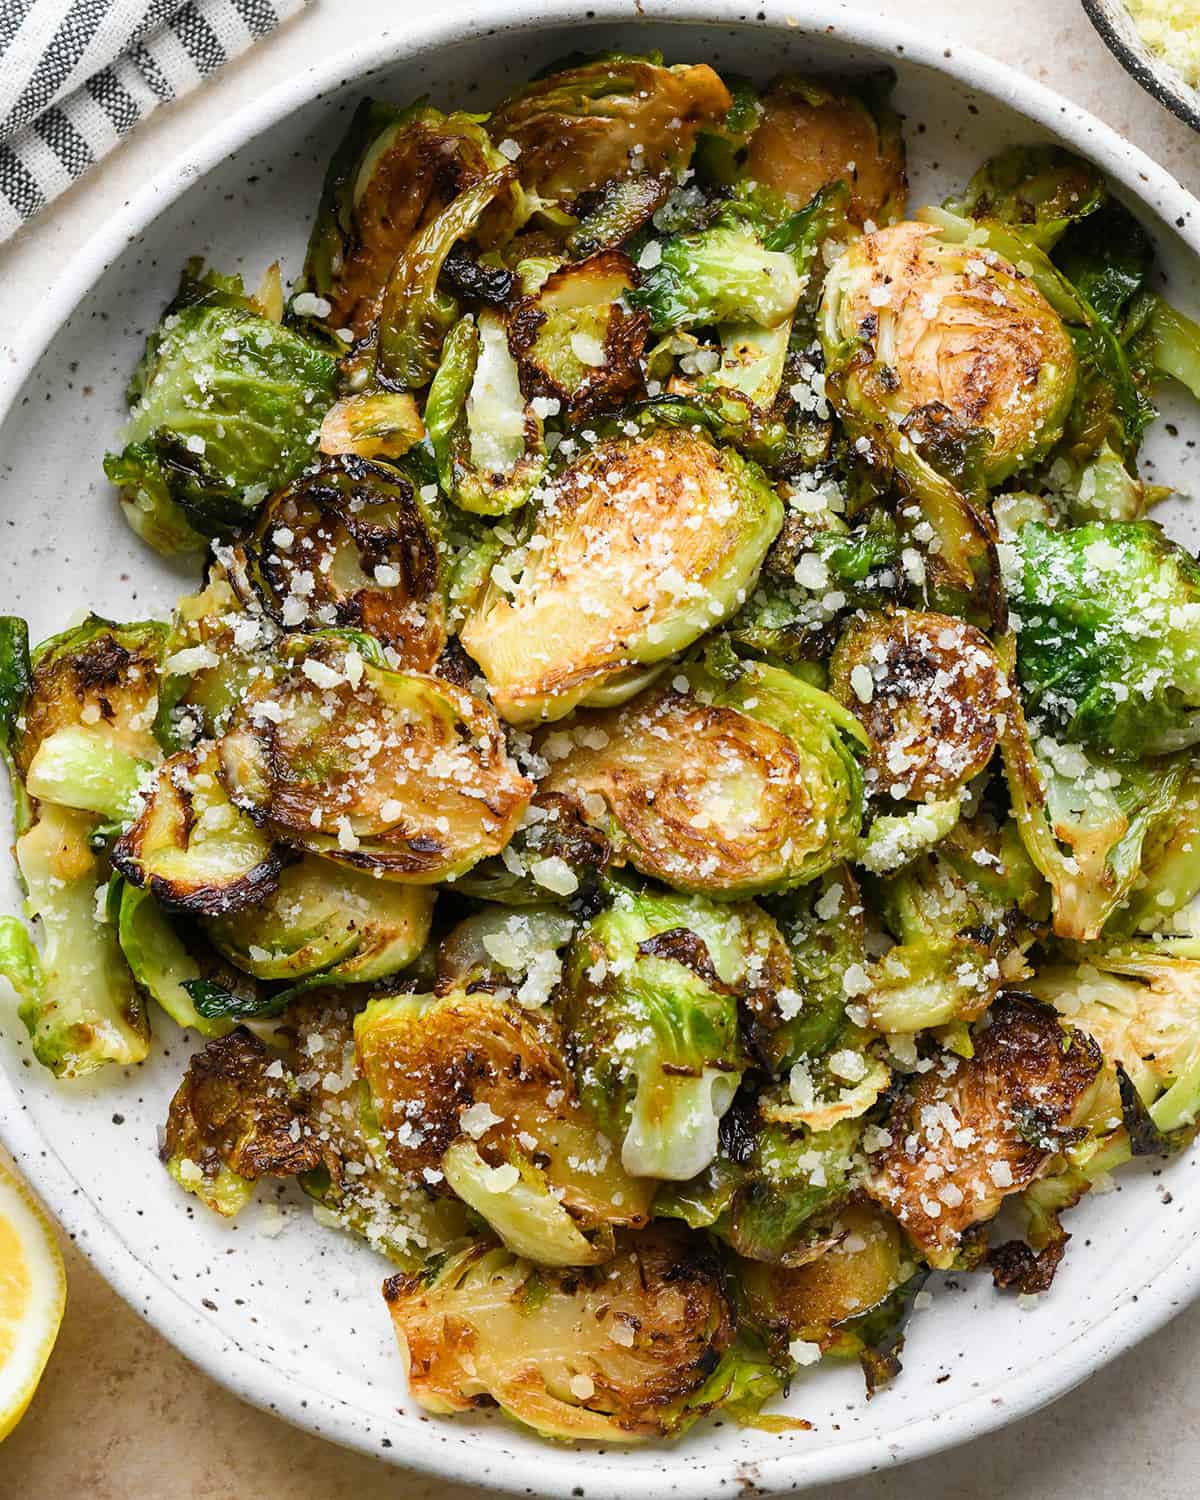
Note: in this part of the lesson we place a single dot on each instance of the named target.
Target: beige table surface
(122, 1416)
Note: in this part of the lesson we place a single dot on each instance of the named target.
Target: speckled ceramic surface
(294, 1321)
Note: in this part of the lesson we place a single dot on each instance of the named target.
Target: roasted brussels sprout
(229, 408)
(610, 1353)
(641, 545)
(1042, 190)
(649, 1001)
(237, 1116)
(16, 684)
(554, 856)
(321, 919)
(951, 325)
(723, 274)
(990, 1125)
(473, 1089)
(158, 957)
(351, 544)
(928, 690)
(373, 424)
(726, 788)
(576, 340)
(392, 175)
(79, 1002)
(514, 954)
(403, 775)
(191, 847)
(817, 131)
(1109, 646)
(488, 440)
(795, 1178)
(609, 118)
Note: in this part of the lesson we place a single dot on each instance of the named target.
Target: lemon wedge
(33, 1292)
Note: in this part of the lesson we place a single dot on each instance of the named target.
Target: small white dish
(1119, 32)
(294, 1321)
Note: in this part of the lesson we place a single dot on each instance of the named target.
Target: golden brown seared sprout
(577, 341)
(966, 1134)
(817, 131)
(642, 545)
(730, 789)
(401, 774)
(954, 327)
(473, 1094)
(610, 118)
(237, 1116)
(928, 690)
(610, 1352)
(191, 847)
(373, 424)
(350, 544)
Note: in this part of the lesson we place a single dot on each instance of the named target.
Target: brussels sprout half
(158, 957)
(585, 126)
(350, 543)
(929, 692)
(993, 1124)
(725, 788)
(815, 131)
(640, 547)
(400, 774)
(346, 925)
(608, 1353)
(474, 1088)
(1042, 190)
(949, 324)
(650, 1005)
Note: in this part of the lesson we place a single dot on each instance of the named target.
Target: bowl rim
(1138, 61)
(537, 1467)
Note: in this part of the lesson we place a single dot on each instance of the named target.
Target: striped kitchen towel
(76, 75)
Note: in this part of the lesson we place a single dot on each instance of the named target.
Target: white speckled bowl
(295, 1323)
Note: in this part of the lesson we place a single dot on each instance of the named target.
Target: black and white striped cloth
(77, 75)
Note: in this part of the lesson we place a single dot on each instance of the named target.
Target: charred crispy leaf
(236, 1117)
(575, 339)
(609, 217)
(612, 1352)
(816, 131)
(350, 543)
(581, 128)
(191, 847)
(973, 1119)
(644, 545)
(401, 774)
(554, 855)
(928, 690)
(1041, 189)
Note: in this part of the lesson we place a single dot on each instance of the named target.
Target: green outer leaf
(16, 683)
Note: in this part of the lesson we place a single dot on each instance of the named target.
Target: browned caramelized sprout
(928, 690)
(191, 847)
(611, 1352)
(817, 131)
(584, 127)
(404, 775)
(577, 341)
(351, 544)
(969, 1132)
(373, 424)
(237, 1116)
(641, 546)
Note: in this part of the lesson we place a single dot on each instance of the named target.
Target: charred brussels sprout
(512, 954)
(950, 325)
(650, 1005)
(795, 1178)
(576, 340)
(992, 1123)
(816, 131)
(394, 172)
(191, 847)
(474, 1089)
(373, 424)
(321, 919)
(928, 690)
(606, 119)
(236, 1116)
(351, 544)
(554, 856)
(723, 274)
(488, 440)
(612, 1353)
(1109, 646)
(159, 958)
(79, 1002)
(1042, 190)
(642, 545)
(726, 788)
(229, 409)
(402, 775)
